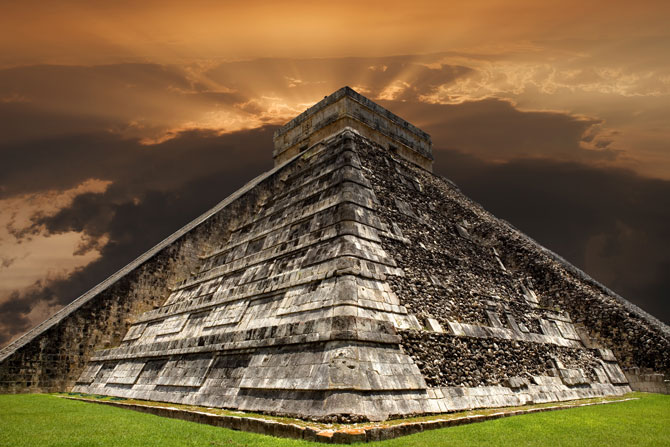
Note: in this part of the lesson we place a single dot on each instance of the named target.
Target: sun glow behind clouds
(222, 119)
(229, 97)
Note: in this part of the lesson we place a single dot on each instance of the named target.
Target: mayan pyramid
(347, 283)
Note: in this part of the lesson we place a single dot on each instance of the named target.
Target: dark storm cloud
(48, 100)
(495, 130)
(13, 313)
(23, 122)
(69, 160)
(612, 223)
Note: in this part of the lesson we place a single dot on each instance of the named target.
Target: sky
(122, 121)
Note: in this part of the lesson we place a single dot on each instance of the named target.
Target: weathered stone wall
(635, 341)
(462, 265)
(54, 359)
(646, 380)
(446, 360)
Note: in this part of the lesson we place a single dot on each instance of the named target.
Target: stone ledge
(343, 433)
(346, 108)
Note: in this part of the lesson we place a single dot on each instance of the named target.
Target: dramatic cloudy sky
(119, 123)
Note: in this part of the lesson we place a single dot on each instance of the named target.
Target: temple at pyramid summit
(349, 283)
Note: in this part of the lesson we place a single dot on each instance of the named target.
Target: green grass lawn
(45, 420)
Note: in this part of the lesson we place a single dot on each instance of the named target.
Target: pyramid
(348, 283)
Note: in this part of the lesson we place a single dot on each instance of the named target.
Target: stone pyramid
(348, 283)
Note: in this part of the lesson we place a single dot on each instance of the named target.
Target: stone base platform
(647, 381)
(335, 433)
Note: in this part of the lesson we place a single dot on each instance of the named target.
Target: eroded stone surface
(481, 278)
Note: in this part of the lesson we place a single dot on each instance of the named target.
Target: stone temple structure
(348, 283)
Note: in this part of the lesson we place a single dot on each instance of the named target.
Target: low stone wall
(648, 381)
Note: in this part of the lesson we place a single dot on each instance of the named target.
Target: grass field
(45, 420)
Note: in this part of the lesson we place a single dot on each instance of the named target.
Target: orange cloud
(93, 32)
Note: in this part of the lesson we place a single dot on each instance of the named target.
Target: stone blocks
(346, 108)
